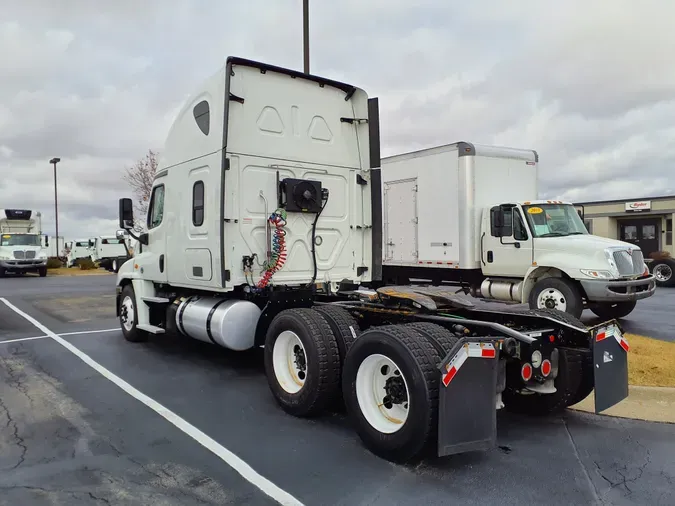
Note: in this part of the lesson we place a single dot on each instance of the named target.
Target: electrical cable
(324, 196)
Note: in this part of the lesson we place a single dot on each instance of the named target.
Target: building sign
(638, 206)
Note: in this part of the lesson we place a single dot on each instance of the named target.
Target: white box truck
(467, 214)
(264, 230)
(110, 251)
(21, 248)
(78, 249)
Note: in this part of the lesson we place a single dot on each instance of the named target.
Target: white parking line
(64, 334)
(246, 471)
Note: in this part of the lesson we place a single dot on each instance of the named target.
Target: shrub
(659, 255)
(54, 263)
(86, 264)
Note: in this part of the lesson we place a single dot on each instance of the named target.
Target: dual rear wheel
(386, 377)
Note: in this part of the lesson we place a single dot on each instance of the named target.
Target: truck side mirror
(91, 243)
(126, 214)
(46, 241)
(120, 234)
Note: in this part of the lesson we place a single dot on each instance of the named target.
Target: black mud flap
(610, 365)
(467, 412)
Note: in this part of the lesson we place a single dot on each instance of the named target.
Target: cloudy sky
(589, 85)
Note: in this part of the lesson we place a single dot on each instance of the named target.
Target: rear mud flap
(467, 413)
(610, 365)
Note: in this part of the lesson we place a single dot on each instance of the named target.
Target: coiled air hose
(278, 254)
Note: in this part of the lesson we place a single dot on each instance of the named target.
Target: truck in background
(49, 245)
(467, 214)
(21, 248)
(264, 228)
(110, 251)
(77, 249)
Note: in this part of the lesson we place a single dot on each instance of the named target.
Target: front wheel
(42, 271)
(129, 317)
(663, 272)
(557, 293)
(609, 311)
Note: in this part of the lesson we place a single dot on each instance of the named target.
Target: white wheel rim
(371, 393)
(127, 314)
(289, 360)
(552, 298)
(114, 265)
(663, 272)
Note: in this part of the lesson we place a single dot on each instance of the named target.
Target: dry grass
(651, 362)
(74, 271)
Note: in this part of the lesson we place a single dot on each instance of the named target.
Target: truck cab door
(506, 245)
(153, 259)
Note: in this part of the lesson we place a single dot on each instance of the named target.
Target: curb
(652, 404)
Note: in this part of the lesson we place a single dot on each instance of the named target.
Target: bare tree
(140, 177)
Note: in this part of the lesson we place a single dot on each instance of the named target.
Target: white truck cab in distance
(21, 248)
(464, 213)
(77, 249)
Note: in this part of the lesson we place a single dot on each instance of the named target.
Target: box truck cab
(111, 251)
(464, 213)
(81, 248)
(21, 248)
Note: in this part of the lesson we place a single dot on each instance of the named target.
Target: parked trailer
(467, 214)
(264, 229)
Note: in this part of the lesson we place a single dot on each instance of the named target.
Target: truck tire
(42, 271)
(662, 270)
(345, 329)
(128, 319)
(388, 370)
(567, 385)
(609, 311)
(344, 326)
(557, 293)
(439, 337)
(115, 268)
(302, 362)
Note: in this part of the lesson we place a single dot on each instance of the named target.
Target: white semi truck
(21, 248)
(264, 229)
(467, 214)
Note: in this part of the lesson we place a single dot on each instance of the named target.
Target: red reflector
(546, 367)
(488, 353)
(551, 338)
(526, 372)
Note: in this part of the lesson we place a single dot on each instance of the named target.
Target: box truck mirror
(126, 214)
(46, 241)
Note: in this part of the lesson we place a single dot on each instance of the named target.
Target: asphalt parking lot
(73, 430)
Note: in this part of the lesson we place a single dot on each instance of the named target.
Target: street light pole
(56, 204)
(305, 33)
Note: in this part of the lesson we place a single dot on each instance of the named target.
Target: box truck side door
(506, 247)
(400, 221)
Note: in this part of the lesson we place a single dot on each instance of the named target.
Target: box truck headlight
(597, 274)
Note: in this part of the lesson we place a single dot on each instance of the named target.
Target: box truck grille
(30, 254)
(629, 265)
(19, 255)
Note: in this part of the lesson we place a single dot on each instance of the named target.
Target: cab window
(156, 209)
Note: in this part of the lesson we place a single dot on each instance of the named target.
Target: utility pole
(56, 204)
(305, 33)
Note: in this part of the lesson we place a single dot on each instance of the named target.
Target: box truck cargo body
(465, 213)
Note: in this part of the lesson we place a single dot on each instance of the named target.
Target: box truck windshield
(20, 240)
(554, 220)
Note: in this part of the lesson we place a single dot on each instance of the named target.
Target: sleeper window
(198, 204)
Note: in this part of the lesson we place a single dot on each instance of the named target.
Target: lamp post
(305, 33)
(56, 204)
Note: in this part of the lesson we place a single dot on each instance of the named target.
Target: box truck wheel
(662, 270)
(42, 271)
(128, 319)
(302, 362)
(557, 293)
(609, 311)
(390, 385)
(567, 385)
